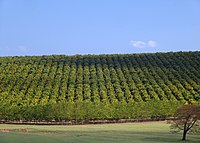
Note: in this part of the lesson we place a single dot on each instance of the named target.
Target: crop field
(60, 87)
(147, 132)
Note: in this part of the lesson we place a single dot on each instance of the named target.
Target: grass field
(148, 132)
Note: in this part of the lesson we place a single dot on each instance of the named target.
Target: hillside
(36, 82)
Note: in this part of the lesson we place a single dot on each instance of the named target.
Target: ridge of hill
(40, 82)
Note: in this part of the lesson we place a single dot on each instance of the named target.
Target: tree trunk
(184, 135)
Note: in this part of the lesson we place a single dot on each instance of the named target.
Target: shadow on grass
(171, 138)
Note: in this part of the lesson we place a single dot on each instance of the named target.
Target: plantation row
(39, 81)
(88, 110)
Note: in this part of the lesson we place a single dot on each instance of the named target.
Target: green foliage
(97, 86)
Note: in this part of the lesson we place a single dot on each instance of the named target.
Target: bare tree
(186, 120)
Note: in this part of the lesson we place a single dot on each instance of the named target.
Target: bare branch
(192, 125)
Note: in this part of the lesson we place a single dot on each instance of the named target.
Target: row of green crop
(106, 78)
(89, 110)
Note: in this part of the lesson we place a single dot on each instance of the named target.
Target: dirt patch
(84, 122)
(4, 130)
(13, 130)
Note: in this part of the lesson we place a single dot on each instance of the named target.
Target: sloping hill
(34, 81)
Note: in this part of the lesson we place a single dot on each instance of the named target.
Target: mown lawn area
(148, 132)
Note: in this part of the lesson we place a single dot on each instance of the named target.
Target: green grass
(149, 132)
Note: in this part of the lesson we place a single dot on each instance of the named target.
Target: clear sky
(46, 27)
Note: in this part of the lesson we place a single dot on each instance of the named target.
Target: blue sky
(46, 27)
